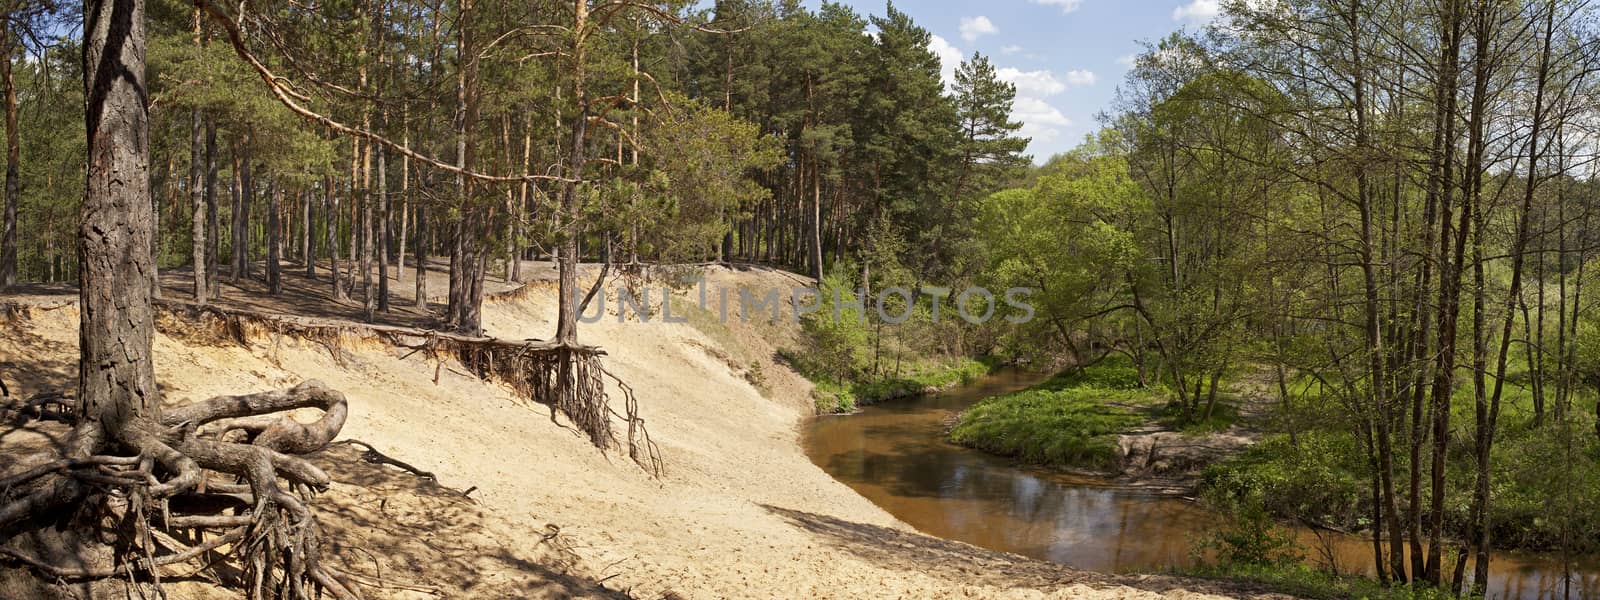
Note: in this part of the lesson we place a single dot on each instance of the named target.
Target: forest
(1380, 211)
(1372, 215)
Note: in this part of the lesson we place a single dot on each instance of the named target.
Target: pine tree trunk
(330, 218)
(405, 199)
(567, 321)
(308, 247)
(198, 199)
(241, 217)
(383, 241)
(274, 239)
(116, 380)
(368, 291)
(8, 238)
(422, 258)
(816, 222)
(213, 214)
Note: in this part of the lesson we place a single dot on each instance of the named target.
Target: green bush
(1248, 536)
(1321, 479)
(837, 356)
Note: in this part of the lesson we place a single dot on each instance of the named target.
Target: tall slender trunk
(567, 322)
(308, 247)
(330, 219)
(241, 217)
(816, 221)
(1449, 260)
(384, 240)
(405, 198)
(8, 239)
(1488, 413)
(422, 258)
(368, 200)
(197, 198)
(274, 238)
(213, 216)
(467, 259)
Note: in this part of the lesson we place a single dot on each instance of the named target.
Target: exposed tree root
(568, 378)
(156, 479)
(372, 455)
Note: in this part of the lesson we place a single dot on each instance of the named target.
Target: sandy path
(740, 513)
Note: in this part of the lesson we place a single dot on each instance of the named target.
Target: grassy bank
(1069, 421)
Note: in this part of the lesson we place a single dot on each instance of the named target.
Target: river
(895, 455)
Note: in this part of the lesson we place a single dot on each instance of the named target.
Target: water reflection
(895, 455)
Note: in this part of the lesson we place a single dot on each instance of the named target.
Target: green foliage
(1300, 580)
(703, 165)
(1066, 237)
(1320, 479)
(1248, 536)
(854, 359)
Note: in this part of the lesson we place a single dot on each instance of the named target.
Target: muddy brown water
(895, 455)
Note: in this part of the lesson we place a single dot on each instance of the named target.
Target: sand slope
(740, 512)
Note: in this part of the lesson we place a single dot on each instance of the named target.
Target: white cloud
(1066, 5)
(1010, 49)
(1081, 78)
(1031, 83)
(1040, 120)
(1127, 60)
(949, 58)
(973, 27)
(1044, 83)
(1197, 11)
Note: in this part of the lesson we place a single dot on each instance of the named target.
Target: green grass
(1069, 421)
(1223, 416)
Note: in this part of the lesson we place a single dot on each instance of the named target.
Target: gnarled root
(215, 481)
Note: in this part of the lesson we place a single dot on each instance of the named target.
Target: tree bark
(330, 218)
(308, 247)
(198, 199)
(368, 297)
(116, 380)
(405, 200)
(213, 218)
(8, 239)
(241, 215)
(1451, 249)
(567, 321)
(422, 258)
(274, 239)
(383, 232)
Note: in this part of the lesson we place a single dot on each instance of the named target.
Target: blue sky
(1066, 57)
